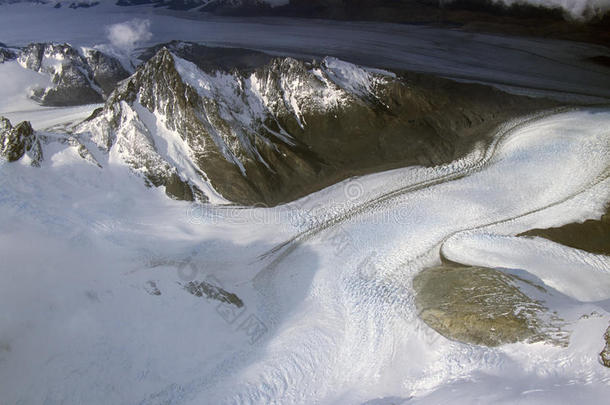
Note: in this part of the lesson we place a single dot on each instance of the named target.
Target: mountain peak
(17, 141)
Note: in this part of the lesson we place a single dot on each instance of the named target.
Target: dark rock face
(482, 306)
(77, 78)
(6, 53)
(591, 235)
(19, 140)
(605, 353)
(178, 189)
(106, 71)
(278, 129)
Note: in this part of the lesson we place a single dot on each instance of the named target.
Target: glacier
(333, 331)
(97, 269)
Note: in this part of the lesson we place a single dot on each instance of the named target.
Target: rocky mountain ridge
(78, 78)
(240, 126)
(234, 128)
(281, 128)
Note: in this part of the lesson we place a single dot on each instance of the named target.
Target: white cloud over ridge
(126, 35)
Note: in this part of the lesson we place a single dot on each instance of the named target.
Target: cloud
(126, 35)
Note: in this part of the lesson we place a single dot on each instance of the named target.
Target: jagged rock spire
(16, 141)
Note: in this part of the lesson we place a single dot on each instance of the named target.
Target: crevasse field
(93, 263)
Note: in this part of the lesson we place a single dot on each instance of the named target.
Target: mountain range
(241, 126)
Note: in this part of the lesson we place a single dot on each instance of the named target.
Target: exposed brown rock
(482, 306)
(592, 235)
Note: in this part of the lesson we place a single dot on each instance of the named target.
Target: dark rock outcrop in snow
(210, 291)
(605, 353)
(16, 141)
(78, 78)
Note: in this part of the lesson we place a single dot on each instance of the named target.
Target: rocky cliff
(20, 140)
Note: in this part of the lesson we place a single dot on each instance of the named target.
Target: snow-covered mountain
(239, 133)
(253, 129)
(79, 76)
(233, 125)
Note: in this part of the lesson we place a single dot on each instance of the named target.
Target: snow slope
(86, 250)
